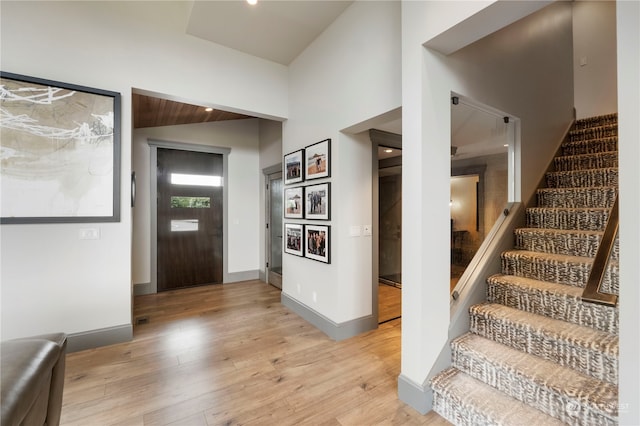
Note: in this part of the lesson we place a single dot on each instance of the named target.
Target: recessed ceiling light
(208, 109)
(252, 2)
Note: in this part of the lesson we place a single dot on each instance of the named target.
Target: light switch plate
(89, 233)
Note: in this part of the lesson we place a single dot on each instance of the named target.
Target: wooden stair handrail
(591, 291)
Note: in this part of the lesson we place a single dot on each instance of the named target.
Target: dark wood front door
(189, 218)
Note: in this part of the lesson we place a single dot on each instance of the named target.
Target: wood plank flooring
(389, 302)
(233, 354)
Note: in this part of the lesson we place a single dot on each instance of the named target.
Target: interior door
(190, 221)
(274, 230)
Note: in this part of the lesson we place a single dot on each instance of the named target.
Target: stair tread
(578, 188)
(551, 231)
(546, 286)
(598, 395)
(598, 169)
(495, 407)
(558, 257)
(566, 258)
(555, 300)
(591, 154)
(575, 334)
(568, 218)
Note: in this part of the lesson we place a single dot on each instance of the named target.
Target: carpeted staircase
(536, 354)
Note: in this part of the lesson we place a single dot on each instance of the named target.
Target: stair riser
(583, 179)
(527, 339)
(598, 121)
(576, 198)
(569, 273)
(556, 306)
(586, 162)
(593, 133)
(590, 147)
(455, 413)
(546, 400)
(553, 218)
(575, 244)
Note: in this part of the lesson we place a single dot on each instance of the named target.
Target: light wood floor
(230, 355)
(389, 303)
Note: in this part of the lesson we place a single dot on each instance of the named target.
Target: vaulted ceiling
(274, 30)
(279, 31)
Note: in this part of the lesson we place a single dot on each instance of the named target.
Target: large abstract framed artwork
(60, 152)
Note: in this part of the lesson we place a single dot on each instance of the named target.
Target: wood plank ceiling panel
(149, 111)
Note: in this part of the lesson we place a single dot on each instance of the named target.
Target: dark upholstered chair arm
(32, 380)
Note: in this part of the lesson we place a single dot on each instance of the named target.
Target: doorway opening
(389, 170)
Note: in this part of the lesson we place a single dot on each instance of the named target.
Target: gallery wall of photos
(308, 202)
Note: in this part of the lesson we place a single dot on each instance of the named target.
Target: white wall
(525, 70)
(243, 173)
(270, 155)
(270, 143)
(349, 74)
(51, 280)
(594, 44)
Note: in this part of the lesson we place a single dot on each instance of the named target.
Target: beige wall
(594, 57)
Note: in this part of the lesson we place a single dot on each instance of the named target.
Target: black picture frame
(294, 202)
(293, 239)
(318, 160)
(317, 242)
(293, 167)
(63, 142)
(317, 201)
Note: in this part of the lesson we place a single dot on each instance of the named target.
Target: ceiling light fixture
(252, 2)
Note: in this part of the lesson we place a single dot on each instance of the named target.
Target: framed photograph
(294, 167)
(294, 202)
(293, 239)
(317, 242)
(318, 156)
(60, 152)
(318, 201)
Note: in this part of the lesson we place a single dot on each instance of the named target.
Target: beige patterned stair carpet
(536, 353)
